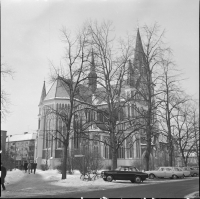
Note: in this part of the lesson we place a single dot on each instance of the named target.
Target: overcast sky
(30, 37)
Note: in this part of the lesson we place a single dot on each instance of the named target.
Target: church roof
(60, 89)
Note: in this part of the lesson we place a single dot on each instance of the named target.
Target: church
(131, 152)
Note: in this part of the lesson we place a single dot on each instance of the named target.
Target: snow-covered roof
(21, 137)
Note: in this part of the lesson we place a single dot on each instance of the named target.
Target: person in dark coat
(25, 166)
(3, 175)
(34, 166)
(29, 167)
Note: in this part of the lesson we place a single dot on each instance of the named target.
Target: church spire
(92, 77)
(139, 57)
(139, 52)
(43, 95)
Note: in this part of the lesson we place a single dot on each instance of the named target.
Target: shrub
(44, 167)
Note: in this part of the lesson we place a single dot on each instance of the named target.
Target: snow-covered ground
(20, 184)
(14, 176)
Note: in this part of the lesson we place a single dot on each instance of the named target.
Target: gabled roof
(61, 89)
(58, 90)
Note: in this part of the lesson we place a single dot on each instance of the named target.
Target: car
(194, 171)
(165, 172)
(124, 173)
(186, 171)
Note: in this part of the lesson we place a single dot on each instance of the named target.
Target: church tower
(92, 76)
(40, 131)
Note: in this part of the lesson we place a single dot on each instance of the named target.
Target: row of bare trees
(153, 105)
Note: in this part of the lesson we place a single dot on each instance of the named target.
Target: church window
(121, 152)
(129, 147)
(39, 124)
(138, 148)
(106, 148)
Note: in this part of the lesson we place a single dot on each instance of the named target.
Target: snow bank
(14, 176)
(54, 177)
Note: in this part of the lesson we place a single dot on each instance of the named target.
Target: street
(172, 189)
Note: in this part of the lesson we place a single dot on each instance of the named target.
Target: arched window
(129, 147)
(60, 131)
(121, 152)
(106, 148)
(138, 148)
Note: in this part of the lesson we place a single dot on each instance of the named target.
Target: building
(21, 147)
(49, 150)
(3, 140)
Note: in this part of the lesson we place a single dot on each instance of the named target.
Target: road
(172, 189)
(33, 185)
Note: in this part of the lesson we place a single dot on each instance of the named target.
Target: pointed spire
(139, 57)
(43, 95)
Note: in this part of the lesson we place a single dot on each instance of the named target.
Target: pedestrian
(34, 166)
(29, 167)
(25, 166)
(3, 175)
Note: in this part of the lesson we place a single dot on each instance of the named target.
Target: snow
(14, 176)
(21, 137)
(19, 184)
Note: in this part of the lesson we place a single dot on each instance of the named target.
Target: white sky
(30, 37)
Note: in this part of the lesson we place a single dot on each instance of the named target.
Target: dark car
(124, 173)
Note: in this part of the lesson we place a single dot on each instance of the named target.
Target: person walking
(29, 167)
(3, 175)
(25, 166)
(34, 166)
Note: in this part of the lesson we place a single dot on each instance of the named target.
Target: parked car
(124, 173)
(194, 171)
(186, 171)
(165, 172)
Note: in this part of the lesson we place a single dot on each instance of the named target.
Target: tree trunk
(114, 159)
(148, 149)
(64, 166)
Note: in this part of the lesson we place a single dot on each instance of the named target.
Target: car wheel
(109, 178)
(195, 175)
(174, 177)
(138, 179)
(151, 176)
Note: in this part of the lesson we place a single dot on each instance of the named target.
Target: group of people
(30, 166)
(27, 166)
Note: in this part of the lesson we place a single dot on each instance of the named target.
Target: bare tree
(184, 130)
(170, 98)
(72, 74)
(147, 67)
(113, 104)
(5, 101)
